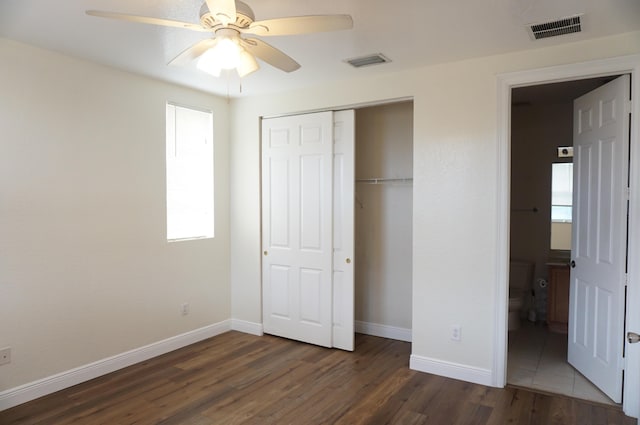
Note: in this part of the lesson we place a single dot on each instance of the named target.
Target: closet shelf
(383, 180)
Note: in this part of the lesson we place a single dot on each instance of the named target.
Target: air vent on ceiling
(555, 28)
(374, 59)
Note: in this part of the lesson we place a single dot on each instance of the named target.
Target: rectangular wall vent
(555, 28)
(374, 59)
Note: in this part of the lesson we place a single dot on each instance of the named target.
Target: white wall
(85, 268)
(455, 190)
(384, 148)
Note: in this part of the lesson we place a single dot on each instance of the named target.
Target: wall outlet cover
(456, 332)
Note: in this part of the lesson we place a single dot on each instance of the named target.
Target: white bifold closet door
(307, 227)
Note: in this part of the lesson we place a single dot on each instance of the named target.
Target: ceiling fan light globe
(209, 63)
(247, 64)
(224, 55)
(227, 53)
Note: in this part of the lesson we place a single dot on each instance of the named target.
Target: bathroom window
(561, 192)
(189, 165)
(561, 205)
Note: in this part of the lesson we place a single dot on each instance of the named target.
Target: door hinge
(628, 106)
(627, 193)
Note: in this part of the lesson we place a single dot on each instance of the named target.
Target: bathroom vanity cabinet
(558, 297)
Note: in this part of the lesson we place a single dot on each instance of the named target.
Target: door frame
(506, 82)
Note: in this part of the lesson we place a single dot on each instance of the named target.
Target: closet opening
(383, 220)
(337, 205)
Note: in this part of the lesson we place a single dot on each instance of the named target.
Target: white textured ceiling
(411, 33)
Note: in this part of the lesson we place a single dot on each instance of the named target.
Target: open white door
(343, 228)
(297, 173)
(599, 245)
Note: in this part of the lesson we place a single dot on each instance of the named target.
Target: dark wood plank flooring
(236, 378)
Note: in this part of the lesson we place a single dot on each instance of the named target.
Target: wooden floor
(236, 378)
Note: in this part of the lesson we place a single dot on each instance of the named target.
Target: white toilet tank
(520, 274)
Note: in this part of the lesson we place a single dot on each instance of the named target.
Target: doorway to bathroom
(542, 135)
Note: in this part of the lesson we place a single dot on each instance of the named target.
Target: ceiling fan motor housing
(244, 16)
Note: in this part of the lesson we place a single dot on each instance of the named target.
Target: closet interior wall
(383, 214)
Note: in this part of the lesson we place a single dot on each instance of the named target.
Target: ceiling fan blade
(269, 54)
(147, 20)
(301, 25)
(223, 10)
(193, 52)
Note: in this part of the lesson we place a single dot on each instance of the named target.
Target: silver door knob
(633, 337)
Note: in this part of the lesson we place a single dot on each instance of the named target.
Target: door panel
(279, 277)
(596, 310)
(311, 281)
(580, 321)
(606, 221)
(297, 170)
(311, 208)
(279, 204)
(343, 229)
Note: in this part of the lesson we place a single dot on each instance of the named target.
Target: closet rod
(384, 180)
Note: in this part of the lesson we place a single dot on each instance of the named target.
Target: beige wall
(455, 155)
(561, 236)
(85, 270)
(384, 148)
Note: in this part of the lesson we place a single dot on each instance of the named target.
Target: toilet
(520, 278)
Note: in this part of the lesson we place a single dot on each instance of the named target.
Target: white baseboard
(31, 391)
(451, 370)
(385, 331)
(247, 327)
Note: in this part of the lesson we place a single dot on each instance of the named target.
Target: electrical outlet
(5, 355)
(185, 309)
(456, 332)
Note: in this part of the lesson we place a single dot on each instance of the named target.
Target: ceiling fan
(228, 20)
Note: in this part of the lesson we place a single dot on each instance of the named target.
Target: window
(561, 192)
(189, 173)
(561, 205)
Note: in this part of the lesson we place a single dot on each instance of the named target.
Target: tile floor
(537, 359)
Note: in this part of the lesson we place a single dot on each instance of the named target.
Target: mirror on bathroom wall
(561, 205)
